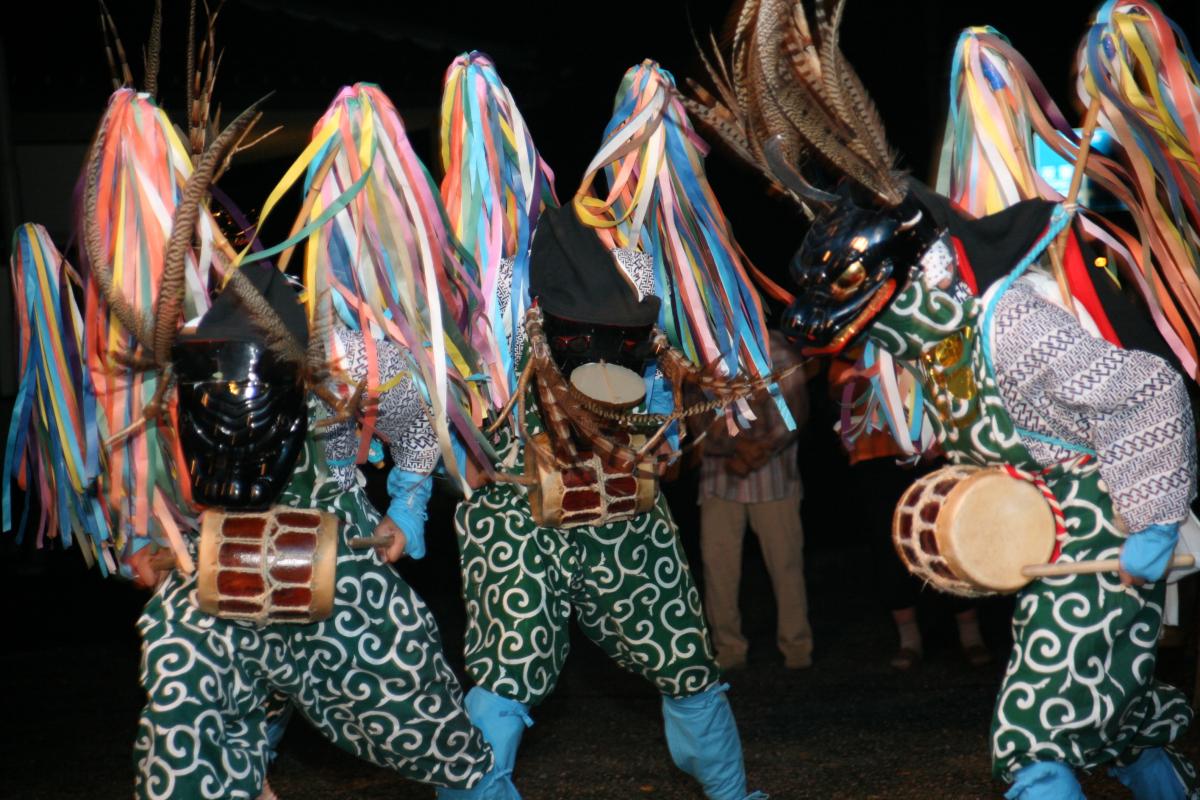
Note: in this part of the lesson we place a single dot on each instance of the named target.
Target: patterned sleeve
(639, 267)
(503, 297)
(1129, 406)
(401, 417)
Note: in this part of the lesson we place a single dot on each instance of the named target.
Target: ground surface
(849, 727)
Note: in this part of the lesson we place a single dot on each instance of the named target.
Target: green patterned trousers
(1079, 687)
(627, 583)
(371, 678)
(1080, 684)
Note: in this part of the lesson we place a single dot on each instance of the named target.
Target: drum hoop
(928, 479)
(605, 403)
(923, 571)
(546, 497)
(208, 563)
(324, 567)
(322, 578)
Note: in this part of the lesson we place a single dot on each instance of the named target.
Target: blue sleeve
(660, 400)
(410, 493)
(1148, 552)
(133, 544)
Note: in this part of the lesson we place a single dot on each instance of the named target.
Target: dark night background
(849, 727)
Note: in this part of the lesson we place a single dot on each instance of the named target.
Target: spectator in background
(754, 477)
(874, 467)
(886, 481)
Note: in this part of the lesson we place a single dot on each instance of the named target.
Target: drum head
(993, 525)
(610, 384)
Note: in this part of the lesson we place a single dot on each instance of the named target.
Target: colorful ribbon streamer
(380, 259)
(999, 107)
(659, 198)
(495, 186)
(47, 437)
(1139, 66)
(134, 458)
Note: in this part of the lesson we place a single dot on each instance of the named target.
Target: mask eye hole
(849, 280)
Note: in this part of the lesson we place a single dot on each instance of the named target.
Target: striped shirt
(778, 479)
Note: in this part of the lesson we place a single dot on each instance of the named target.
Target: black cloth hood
(228, 320)
(574, 276)
(995, 243)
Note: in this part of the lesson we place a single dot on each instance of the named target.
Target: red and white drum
(970, 531)
(589, 492)
(268, 566)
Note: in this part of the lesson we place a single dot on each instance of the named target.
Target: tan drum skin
(969, 531)
(611, 384)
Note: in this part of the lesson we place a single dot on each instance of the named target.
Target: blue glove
(1045, 780)
(1147, 553)
(133, 545)
(410, 495)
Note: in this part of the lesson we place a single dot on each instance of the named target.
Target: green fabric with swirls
(1079, 686)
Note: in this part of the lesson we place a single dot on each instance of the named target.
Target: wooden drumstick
(1058, 246)
(363, 542)
(1088, 567)
(612, 393)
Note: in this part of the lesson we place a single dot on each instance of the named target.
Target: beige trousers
(781, 538)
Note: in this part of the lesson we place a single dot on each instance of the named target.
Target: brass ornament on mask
(947, 369)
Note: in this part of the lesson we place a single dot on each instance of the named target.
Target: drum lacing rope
(1060, 522)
